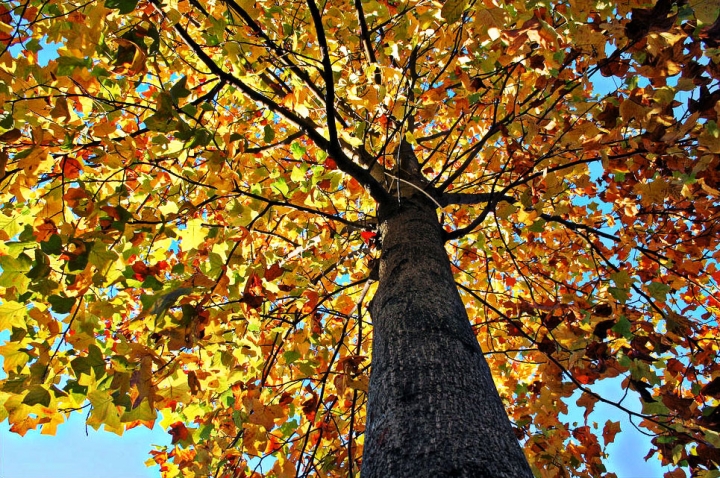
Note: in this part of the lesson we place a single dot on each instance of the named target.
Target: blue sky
(73, 454)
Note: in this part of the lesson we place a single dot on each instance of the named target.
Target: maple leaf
(179, 432)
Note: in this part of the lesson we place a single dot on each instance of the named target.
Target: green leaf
(11, 226)
(60, 304)
(291, 356)
(103, 411)
(79, 262)
(269, 133)
(452, 10)
(297, 150)
(93, 361)
(100, 257)
(68, 64)
(179, 89)
(622, 327)
(658, 291)
(201, 137)
(281, 186)
(167, 301)
(538, 226)
(53, 246)
(214, 266)
(151, 282)
(37, 395)
(14, 272)
(298, 173)
(161, 123)
(41, 266)
(142, 412)
(125, 6)
(619, 294)
(7, 122)
(621, 279)
(14, 356)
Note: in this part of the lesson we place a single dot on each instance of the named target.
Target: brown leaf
(680, 405)
(602, 310)
(193, 383)
(10, 136)
(61, 109)
(601, 329)
(547, 346)
(615, 68)
(643, 389)
(645, 20)
(609, 431)
(712, 389)
(273, 272)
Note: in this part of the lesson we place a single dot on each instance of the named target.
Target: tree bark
(433, 409)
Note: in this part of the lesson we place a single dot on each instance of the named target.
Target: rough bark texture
(433, 408)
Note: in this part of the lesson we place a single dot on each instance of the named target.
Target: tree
(203, 200)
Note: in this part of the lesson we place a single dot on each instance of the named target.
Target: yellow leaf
(193, 235)
(490, 21)
(12, 314)
(10, 226)
(14, 356)
(361, 383)
(104, 411)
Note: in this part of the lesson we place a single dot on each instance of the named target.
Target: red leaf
(179, 432)
(273, 272)
(254, 285)
(367, 236)
(141, 270)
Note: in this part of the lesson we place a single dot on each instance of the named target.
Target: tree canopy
(189, 217)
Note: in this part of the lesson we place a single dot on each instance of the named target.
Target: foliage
(188, 216)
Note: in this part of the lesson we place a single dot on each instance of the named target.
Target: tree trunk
(433, 409)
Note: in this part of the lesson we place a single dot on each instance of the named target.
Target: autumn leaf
(609, 431)
(452, 10)
(179, 432)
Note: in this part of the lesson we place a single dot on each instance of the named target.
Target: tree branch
(366, 41)
(446, 199)
(327, 73)
(344, 163)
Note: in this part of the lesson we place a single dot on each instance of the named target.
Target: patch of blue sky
(79, 451)
(626, 454)
(46, 53)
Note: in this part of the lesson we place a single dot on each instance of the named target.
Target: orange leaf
(609, 431)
